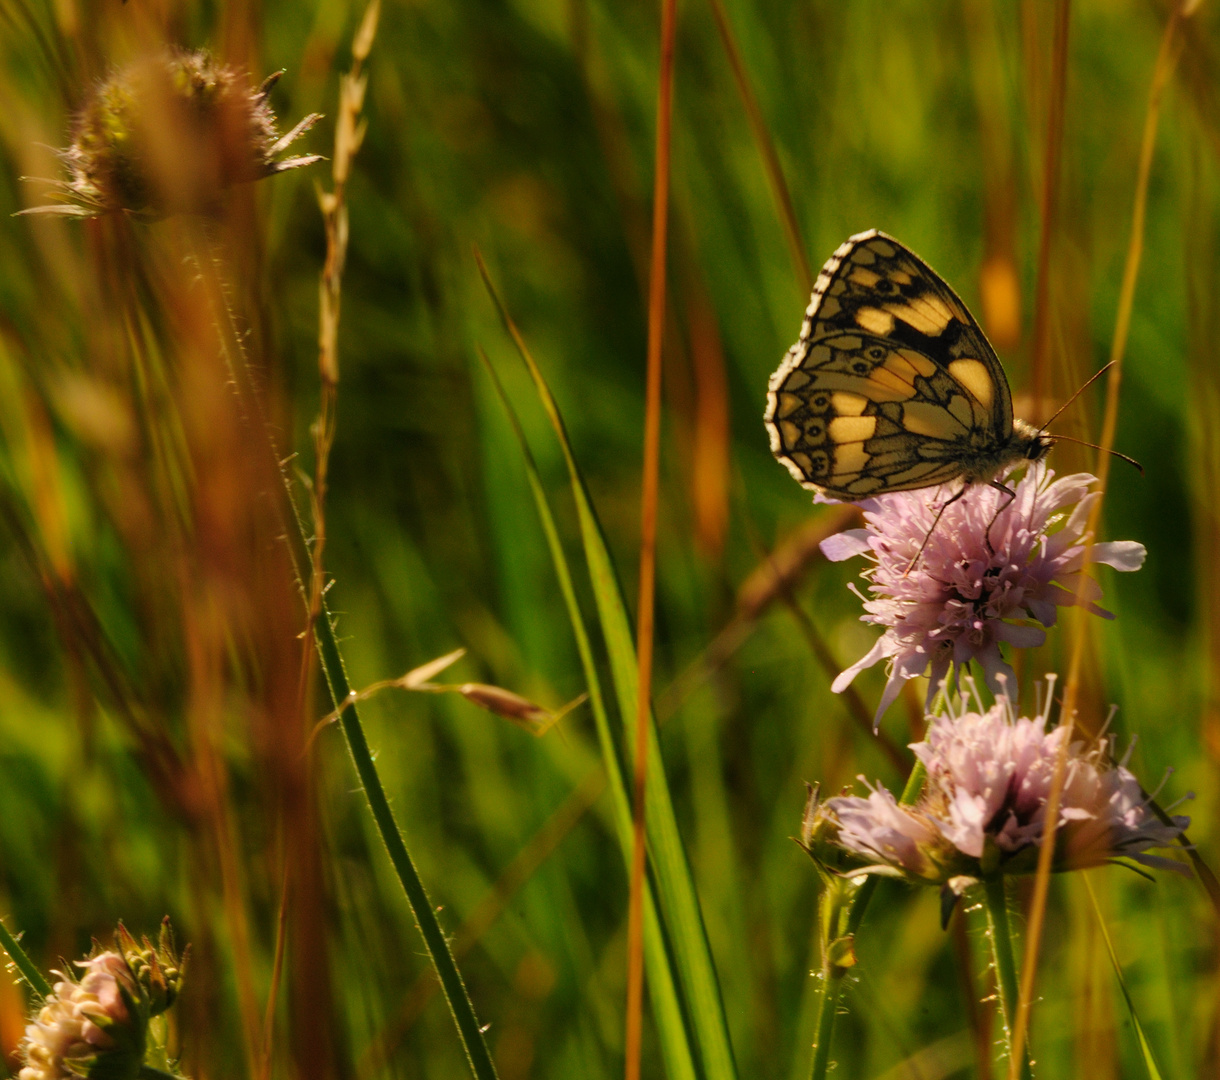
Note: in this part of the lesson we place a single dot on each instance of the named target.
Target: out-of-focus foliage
(152, 740)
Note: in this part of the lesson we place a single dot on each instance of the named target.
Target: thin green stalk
(23, 963)
(460, 1005)
(832, 974)
(828, 1005)
(1005, 964)
(437, 944)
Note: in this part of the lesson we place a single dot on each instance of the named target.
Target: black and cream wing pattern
(893, 385)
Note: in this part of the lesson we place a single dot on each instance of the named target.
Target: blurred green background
(526, 128)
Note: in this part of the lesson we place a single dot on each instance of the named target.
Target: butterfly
(893, 385)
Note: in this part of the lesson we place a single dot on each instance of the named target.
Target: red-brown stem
(1049, 201)
(1165, 61)
(766, 147)
(648, 539)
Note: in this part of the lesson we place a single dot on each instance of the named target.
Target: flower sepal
(158, 970)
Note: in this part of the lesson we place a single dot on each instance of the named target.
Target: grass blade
(1145, 1049)
(662, 974)
(679, 906)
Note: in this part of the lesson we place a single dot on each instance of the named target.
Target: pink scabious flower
(992, 568)
(983, 807)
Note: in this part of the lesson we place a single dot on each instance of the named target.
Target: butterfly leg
(936, 521)
(998, 510)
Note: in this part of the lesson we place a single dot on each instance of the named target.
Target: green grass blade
(1145, 1049)
(675, 886)
(671, 1025)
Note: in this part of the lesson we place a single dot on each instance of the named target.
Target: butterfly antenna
(1081, 442)
(1089, 382)
(928, 535)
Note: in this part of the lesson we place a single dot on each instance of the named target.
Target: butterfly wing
(892, 386)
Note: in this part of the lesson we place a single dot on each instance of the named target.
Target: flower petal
(845, 545)
(1125, 555)
(893, 688)
(884, 647)
(1021, 637)
(993, 665)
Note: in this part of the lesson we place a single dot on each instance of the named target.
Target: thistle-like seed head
(170, 134)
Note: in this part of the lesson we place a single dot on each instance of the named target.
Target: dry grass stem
(1163, 69)
(648, 540)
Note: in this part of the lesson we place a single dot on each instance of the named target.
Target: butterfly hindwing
(892, 386)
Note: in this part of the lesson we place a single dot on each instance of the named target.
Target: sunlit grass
(153, 741)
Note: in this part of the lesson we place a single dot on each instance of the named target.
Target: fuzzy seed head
(170, 134)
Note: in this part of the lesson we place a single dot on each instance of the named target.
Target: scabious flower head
(992, 568)
(97, 1026)
(168, 134)
(983, 807)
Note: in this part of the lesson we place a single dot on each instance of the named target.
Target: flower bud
(98, 1026)
(92, 1028)
(158, 971)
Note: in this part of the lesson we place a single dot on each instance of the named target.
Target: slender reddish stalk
(648, 537)
(1052, 154)
(1165, 61)
(766, 147)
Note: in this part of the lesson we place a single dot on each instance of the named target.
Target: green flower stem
(828, 1005)
(23, 963)
(1005, 965)
(832, 974)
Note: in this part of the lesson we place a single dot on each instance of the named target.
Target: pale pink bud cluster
(77, 1027)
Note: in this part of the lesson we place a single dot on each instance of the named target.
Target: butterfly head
(1034, 443)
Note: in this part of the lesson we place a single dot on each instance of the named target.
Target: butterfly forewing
(892, 386)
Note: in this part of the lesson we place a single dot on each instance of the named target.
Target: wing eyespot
(876, 353)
